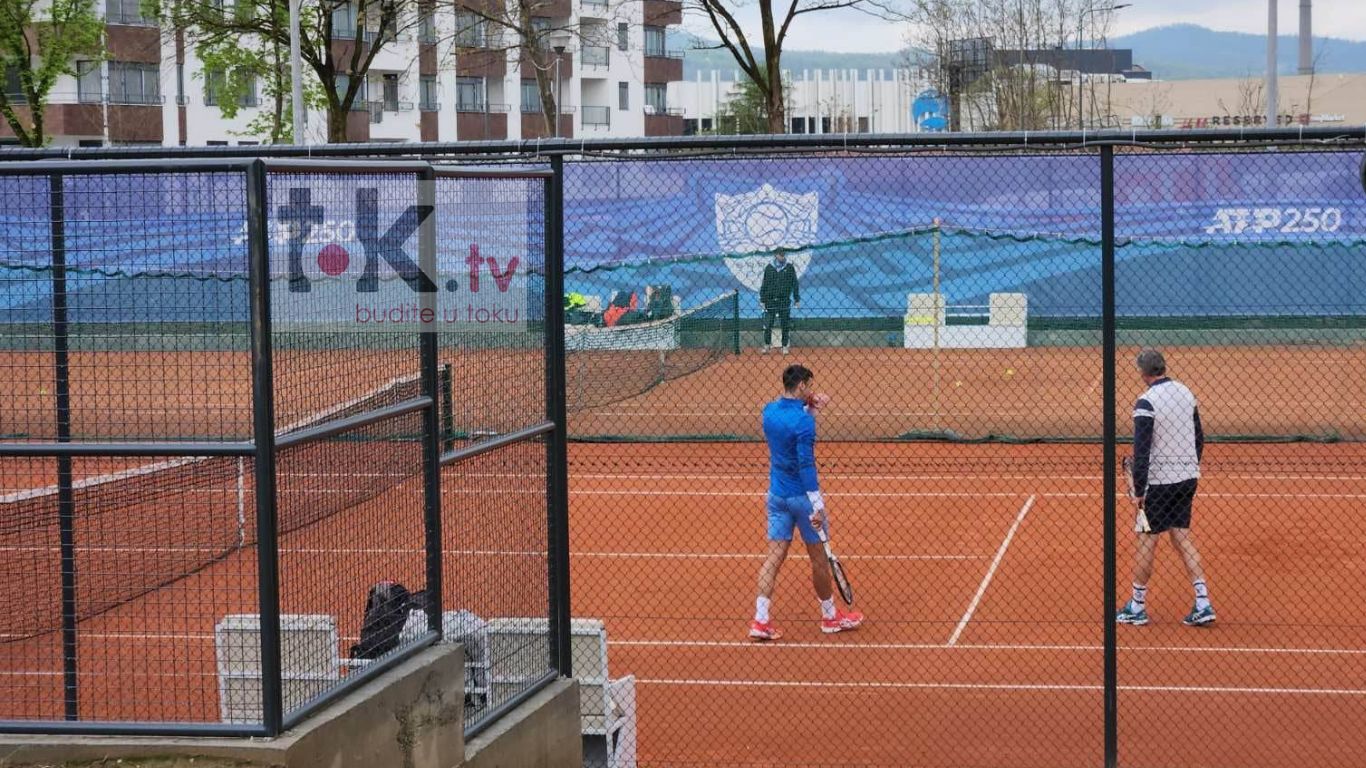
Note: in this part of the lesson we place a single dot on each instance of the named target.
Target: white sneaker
(784, 350)
(763, 350)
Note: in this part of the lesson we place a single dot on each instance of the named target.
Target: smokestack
(1271, 39)
(1306, 38)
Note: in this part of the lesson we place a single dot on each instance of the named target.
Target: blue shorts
(784, 513)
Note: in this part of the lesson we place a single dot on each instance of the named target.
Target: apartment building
(444, 76)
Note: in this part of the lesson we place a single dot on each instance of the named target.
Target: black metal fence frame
(264, 445)
(554, 151)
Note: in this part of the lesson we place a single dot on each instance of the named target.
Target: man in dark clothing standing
(778, 292)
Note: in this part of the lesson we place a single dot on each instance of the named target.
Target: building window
(429, 94)
(426, 27)
(623, 96)
(623, 29)
(706, 124)
(390, 92)
(799, 125)
(344, 82)
(656, 99)
(124, 12)
(863, 125)
(134, 83)
(14, 90)
(344, 21)
(215, 143)
(469, 30)
(531, 96)
(89, 89)
(215, 80)
(469, 94)
(654, 41)
(90, 143)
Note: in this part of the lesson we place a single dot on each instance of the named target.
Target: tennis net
(141, 528)
(608, 365)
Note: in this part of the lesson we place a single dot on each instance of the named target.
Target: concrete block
(542, 733)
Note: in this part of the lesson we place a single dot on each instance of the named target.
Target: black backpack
(386, 611)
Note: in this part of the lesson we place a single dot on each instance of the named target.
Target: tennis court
(980, 569)
(952, 306)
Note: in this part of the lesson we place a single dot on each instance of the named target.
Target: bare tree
(764, 67)
(1001, 62)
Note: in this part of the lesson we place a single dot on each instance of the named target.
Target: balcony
(669, 122)
(66, 114)
(597, 56)
(597, 117)
(475, 122)
(533, 126)
(552, 9)
(595, 9)
(528, 66)
(661, 13)
(663, 66)
(492, 65)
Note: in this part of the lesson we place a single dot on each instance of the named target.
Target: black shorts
(1169, 506)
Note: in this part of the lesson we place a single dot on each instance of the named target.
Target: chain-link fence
(954, 308)
(975, 308)
(235, 484)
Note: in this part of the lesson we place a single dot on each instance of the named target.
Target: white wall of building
(837, 100)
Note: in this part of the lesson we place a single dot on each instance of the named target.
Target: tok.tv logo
(302, 217)
(358, 267)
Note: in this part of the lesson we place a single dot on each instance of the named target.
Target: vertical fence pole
(263, 434)
(735, 320)
(66, 496)
(557, 481)
(431, 388)
(1107, 278)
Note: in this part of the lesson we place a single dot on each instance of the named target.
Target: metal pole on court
(263, 435)
(296, 73)
(557, 490)
(1109, 425)
(66, 495)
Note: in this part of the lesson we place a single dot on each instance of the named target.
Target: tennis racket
(1141, 519)
(841, 579)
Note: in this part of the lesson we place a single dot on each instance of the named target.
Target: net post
(1109, 427)
(431, 425)
(939, 313)
(735, 321)
(557, 481)
(447, 406)
(66, 494)
(263, 435)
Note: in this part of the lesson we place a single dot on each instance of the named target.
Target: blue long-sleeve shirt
(791, 435)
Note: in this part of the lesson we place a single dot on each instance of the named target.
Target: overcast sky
(850, 31)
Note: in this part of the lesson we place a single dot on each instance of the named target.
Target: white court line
(503, 553)
(966, 475)
(998, 686)
(839, 646)
(842, 646)
(916, 494)
(995, 563)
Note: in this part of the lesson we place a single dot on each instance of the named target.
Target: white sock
(1140, 597)
(761, 604)
(828, 608)
(1201, 595)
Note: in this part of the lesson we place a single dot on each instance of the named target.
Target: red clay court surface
(979, 567)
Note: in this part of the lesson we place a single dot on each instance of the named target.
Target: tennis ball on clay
(957, 384)
(1010, 372)
(42, 390)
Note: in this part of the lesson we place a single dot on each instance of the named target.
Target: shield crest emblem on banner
(764, 220)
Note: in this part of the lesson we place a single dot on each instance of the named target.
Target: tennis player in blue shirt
(794, 501)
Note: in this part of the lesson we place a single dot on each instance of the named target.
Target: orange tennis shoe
(764, 631)
(842, 622)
